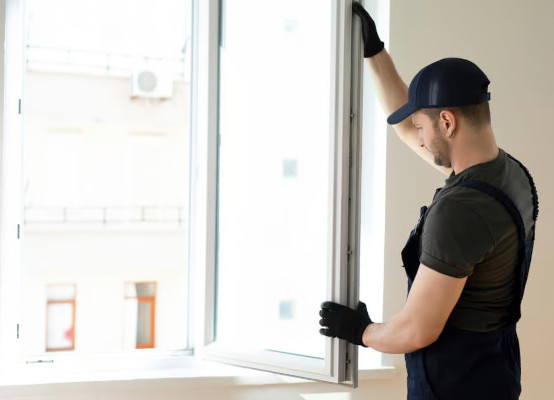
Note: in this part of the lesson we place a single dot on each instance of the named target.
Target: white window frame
(341, 358)
(11, 206)
(341, 363)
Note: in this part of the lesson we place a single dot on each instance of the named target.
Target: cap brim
(402, 113)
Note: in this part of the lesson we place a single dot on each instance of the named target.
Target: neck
(472, 147)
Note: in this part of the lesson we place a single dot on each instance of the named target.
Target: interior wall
(510, 41)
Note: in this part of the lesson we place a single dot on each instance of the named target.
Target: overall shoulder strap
(533, 189)
(522, 262)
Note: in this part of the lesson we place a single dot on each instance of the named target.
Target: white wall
(132, 150)
(99, 262)
(88, 144)
(510, 41)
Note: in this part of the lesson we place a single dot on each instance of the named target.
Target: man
(468, 257)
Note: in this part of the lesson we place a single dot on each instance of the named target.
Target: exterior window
(60, 317)
(140, 315)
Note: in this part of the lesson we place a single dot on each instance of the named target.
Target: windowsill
(182, 373)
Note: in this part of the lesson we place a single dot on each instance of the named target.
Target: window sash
(340, 362)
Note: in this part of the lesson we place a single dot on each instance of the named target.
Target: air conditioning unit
(152, 83)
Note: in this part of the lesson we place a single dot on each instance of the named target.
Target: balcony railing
(58, 59)
(105, 215)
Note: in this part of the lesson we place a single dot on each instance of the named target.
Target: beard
(439, 149)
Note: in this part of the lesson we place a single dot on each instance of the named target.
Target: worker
(467, 259)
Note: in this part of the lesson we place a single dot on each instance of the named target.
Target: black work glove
(372, 42)
(343, 322)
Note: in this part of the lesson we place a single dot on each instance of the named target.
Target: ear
(447, 119)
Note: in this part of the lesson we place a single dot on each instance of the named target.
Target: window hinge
(18, 230)
(19, 106)
(346, 365)
(17, 331)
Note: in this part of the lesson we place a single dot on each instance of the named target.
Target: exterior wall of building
(106, 202)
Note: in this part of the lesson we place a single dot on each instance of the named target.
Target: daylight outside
(107, 171)
(106, 175)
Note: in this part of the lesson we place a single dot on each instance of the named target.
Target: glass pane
(106, 166)
(274, 167)
(59, 326)
(147, 289)
(143, 323)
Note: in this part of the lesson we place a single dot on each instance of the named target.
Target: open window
(275, 186)
(280, 148)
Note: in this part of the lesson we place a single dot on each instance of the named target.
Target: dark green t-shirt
(469, 233)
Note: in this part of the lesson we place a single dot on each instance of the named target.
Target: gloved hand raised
(372, 42)
(343, 322)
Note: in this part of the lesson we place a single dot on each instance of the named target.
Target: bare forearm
(397, 336)
(423, 318)
(391, 90)
(392, 93)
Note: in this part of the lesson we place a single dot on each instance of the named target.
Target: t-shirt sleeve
(454, 238)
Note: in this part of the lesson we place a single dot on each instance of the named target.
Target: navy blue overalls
(464, 364)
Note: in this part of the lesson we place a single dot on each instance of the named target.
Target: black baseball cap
(449, 82)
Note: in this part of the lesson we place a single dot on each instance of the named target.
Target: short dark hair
(477, 115)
